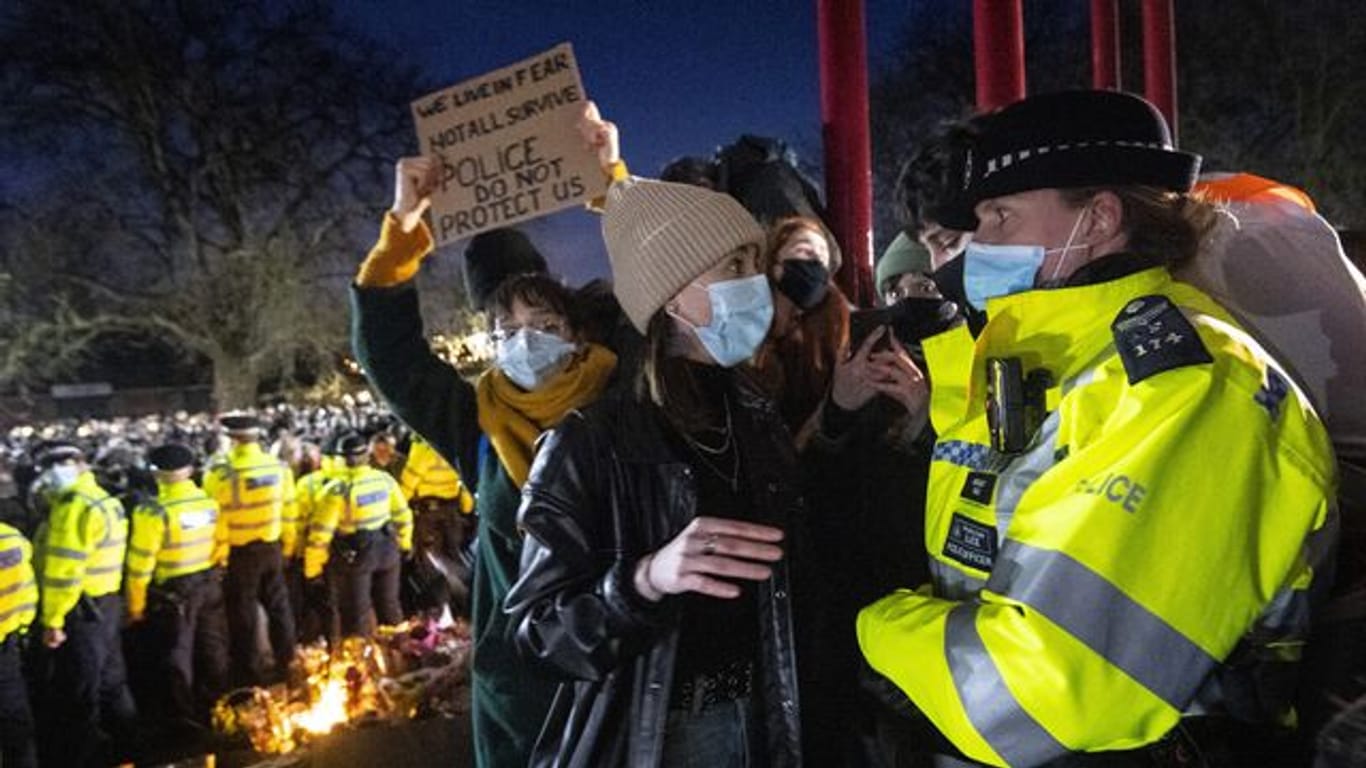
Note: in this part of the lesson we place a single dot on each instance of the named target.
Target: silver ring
(709, 547)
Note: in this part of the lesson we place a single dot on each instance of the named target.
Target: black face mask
(949, 278)
(805, 282)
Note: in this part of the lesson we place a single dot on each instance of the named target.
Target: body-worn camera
(1016, 403)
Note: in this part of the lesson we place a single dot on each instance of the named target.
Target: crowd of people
(161, 542)
(739, 526)
(1072, 494)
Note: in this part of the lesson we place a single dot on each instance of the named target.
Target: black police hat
(1066, 140)
(351, 444)
(494, 256)
(240, 422)
(49, 453)
(170, 457)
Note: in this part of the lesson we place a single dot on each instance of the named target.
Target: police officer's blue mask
(59, 477)
(741, 311)
(998, 270)
(529, 357)
(1001, 270)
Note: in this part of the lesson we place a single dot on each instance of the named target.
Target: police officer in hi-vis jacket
(179, 542)
(1130, 504)
(255, 495)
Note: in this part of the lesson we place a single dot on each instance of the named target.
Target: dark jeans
(16, 718)
(88, 702)
(364, 569)
(725, 735)
(190, 627)
(256, 573)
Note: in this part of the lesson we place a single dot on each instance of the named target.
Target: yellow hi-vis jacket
(255, 493)
(1087, 590)
(427, 475)
(83, 550)
(357, 499)
(178, 533)
(18, 587)
(308, 495)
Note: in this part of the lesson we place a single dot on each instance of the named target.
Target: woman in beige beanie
(658, 521)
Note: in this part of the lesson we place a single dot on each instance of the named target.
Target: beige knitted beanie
(660, 236)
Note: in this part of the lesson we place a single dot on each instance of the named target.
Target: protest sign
(509, 146)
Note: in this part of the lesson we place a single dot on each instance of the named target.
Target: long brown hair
(800, 366)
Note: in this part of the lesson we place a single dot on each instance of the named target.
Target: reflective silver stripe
(52, 582)
(1109, 622)
(104, 569)
(1088, 373)
(17, 609)
(1015, 479)
(16, 586)
(254, 505)
(952, 584)
(995, 713)
(140, 552)
(1287, 615)
(189, 542)
(69, 554)
(249, 526)
(371, 522)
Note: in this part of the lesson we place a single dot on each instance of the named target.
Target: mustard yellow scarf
(513, 418)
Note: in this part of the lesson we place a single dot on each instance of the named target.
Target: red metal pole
(848, 152)
(1105, 44)
(1159, 59)
(998, 45)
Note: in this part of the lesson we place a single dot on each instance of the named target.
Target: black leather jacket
(605, 490)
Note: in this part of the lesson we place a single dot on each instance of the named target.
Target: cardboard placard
(509, 146)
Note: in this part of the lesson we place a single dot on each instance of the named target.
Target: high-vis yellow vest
(18, 587)
(358, 499)
(1087, 589)
(428, 475)
(83, 550)
(178, 533)
(308, 496)
(255, 493)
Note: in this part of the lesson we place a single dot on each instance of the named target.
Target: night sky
(678, 77)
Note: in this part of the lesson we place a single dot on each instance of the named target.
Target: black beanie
(494, 256)
(1066, 140)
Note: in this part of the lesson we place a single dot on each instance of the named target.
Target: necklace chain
(728, 436)
(728, 444)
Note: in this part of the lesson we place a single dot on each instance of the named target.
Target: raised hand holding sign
(508, 146)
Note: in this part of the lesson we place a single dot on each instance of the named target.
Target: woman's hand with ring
(708, 556)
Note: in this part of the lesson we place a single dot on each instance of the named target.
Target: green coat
(510, 696)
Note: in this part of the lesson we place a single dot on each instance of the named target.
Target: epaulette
(1152, 336)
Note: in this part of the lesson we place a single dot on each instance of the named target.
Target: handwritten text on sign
(509, 146)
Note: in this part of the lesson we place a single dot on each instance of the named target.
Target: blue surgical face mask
(529, 357)
(991, 270)
(60, 477)
(741, 311)
(998, 270)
